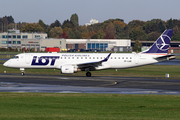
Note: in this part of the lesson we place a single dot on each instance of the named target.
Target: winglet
(106, 59)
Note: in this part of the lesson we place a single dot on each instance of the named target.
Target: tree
(55, 24)
(169, 24)
(41, 23)
(10, 19)
(150, 26)
(136, 23)
(75, 20)
(55, 32)
(153, 36)
(110, 31)
(67, 24)
(161, 27)
(32, 27)
(64, 35)
(137, 35)
(137, 46)
(74, 34)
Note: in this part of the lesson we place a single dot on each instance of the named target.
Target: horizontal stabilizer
(164, 58)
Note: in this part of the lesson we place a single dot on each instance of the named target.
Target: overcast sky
(50, 10)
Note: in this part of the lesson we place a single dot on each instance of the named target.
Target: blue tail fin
(162, 43)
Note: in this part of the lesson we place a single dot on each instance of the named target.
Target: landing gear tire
(22, 73)
(88, 74)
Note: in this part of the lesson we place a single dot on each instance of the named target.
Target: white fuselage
(56, 60)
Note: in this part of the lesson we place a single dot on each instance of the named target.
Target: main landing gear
(88, 74)
(22, 71)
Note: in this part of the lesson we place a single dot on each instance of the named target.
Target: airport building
(100, 44)
(37, 41)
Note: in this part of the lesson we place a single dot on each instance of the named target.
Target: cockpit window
(15, 57)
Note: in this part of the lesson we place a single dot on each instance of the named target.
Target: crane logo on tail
(163, 42)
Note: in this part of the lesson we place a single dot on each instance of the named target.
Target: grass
(88, 106)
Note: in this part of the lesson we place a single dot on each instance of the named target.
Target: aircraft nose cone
(6, 64)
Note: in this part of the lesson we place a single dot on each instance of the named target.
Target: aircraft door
(27, 58)
(136, 60)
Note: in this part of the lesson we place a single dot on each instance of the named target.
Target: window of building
(60, 42)
(37, 36)
(76, 46)
(89, 45)
(24, 36)
(13, 42)
(18, 36)
(4, 36)
(93, 46)
(18, 42)
(8, 42)
(9, 36)
(14, 36)
(97, 45)
(3, 42)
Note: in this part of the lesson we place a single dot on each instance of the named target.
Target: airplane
(70, 63)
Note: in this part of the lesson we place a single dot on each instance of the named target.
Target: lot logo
(163, 42)
(44, 60)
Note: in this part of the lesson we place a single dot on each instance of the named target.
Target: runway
(95, 84)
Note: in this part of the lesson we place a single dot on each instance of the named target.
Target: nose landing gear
(22, 71)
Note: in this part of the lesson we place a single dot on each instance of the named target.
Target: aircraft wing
(167, 57)
(92, 65)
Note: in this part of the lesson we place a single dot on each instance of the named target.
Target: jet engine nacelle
(65, 69)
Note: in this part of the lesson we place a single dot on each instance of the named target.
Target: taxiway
(95, 84)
